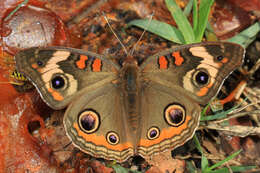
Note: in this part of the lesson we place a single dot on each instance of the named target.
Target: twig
(236, 130)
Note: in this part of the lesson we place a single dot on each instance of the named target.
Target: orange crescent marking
(96, 66)
(163, 63)
(203, 91)
(166, 133)
(81, 62)
(101, 140)
(178, 58)
(224, 60)
(34, 66)
(56, 95)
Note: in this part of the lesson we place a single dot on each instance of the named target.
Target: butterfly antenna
(149, 22)
(105, 17)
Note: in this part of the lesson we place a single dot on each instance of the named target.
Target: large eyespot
(201, 77)
(89, 121)
(174, 115)
(58, 82)
(112, 138)
(153, 133)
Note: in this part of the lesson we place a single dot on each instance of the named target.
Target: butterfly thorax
(130, 87)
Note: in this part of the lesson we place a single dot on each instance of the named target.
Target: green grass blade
(188, 8)
(204, 160)
(190, 168)
(234, 169)
(221, 170)
(119, 169)
(204, 163)
(16, 9)
(164, 30)
(217, 116)
(181, 21)
(197, 143)
(224, 160)
(195, 15)
(203, 112)
(246, 37)
(204, 9)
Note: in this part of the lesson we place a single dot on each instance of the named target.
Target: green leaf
(224, 160)
(204, 9)
(195, 15)
(188, 8)
(181, 21)
(246, 37)
(164, 30)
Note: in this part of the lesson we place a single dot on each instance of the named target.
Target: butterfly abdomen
(130, 87)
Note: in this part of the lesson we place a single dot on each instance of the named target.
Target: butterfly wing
(60, 73)
(169, 118)
(175, 82)
(199, 69)
(97, 124)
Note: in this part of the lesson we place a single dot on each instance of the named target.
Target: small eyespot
(112, 138)
(153, 133)
(58, 82)
(220, 58)
(201, 78)
(39, 63)
(89, 121)
(174, 115)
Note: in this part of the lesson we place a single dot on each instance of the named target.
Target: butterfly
(117, 111)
